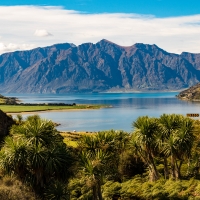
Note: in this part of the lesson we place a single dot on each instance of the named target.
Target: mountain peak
(104, 66)
(146, 46)
(107, 42)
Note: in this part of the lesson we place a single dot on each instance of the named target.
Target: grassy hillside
(191, 94)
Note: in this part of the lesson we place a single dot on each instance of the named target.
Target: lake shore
(21, 109)
(126, 107)
(45, 111)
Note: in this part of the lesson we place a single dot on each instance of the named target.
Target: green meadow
(36, 108)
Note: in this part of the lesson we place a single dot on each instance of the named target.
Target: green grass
(71, 138)
(29, 108)
(71, 143)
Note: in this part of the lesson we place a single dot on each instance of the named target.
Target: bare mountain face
(103, 66)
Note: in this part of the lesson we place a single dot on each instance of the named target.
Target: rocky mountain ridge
(99, 67)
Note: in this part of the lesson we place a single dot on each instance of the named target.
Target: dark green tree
(177, 141)
(36, 154)
(144, 140)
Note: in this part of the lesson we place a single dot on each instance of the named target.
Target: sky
(173, 25)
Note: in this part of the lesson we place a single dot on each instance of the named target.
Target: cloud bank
(26, 27)
(14, 47)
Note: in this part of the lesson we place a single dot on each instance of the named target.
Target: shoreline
(142, 91)
(44, 111)
(34, 109)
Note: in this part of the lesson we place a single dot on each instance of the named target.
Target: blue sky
(173, 25)
(159, 8)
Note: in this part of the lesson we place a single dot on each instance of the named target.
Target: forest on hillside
(160, 159)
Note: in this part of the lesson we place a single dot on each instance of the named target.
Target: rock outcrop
(5, 124)
(190, 94)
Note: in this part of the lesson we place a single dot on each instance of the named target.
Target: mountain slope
(103, 66)
(190, 94)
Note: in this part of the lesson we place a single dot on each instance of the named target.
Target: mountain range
(99, 67)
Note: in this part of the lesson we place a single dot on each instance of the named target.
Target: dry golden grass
(13, 189)
(71, 138)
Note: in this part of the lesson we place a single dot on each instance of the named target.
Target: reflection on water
(126, 108)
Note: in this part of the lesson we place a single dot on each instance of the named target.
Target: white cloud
(173, 34)
(13, 47)
(42, 33)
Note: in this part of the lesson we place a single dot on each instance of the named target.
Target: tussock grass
(13, 189)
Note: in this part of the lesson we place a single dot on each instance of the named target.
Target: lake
(126, 108)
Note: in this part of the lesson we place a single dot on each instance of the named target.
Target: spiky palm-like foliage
(56, 191)
(144, 140)
(177, 140)
(94, 166)
(100, 157)
(38, 131)
(13, 156)
(36, 154)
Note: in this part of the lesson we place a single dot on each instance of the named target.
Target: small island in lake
(190, 94)
(13, 105)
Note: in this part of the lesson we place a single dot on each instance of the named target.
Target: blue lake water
(126, 108)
